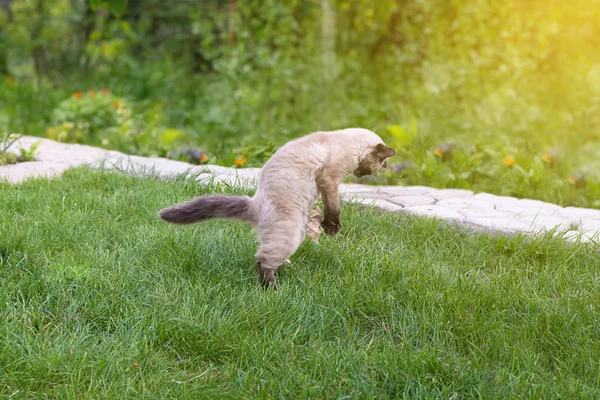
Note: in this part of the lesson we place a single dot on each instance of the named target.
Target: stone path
(480, 211)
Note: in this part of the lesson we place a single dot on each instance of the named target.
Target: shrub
(85, 117)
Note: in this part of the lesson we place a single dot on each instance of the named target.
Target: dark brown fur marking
(373, 161)
(203, 208)
(331, 227)
(267, 277)
(328, 186)
(384, 151)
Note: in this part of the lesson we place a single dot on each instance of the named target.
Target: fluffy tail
(203, 208)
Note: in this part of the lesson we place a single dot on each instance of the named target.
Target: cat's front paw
(331, 227)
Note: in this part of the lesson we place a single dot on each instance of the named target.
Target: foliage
(93, 112)
(81, 117)
(237, 79)
(28, 155)
(490, 166)
(8, 157)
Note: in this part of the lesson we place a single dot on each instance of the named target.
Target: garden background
(101, 299)
(496, 96)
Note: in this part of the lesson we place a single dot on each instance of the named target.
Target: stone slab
(412, 200)
(378, 203)
(351, 188)
(359, 196)
(68, 153)
(579, 213)
(17, 173)
(528, 208)
(442, 194)
(406, 190)
(591, 237)
(589, 225)
(544, 223)
(482, 212)
(463, 203)
(435, 211)
(505, 225)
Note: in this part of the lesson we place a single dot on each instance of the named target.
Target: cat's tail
(216, 206)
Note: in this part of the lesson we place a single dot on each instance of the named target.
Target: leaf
(401, 136)
(170, 135)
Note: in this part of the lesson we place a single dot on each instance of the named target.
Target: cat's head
(373, 158)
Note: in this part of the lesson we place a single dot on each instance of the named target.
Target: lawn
(101, 299)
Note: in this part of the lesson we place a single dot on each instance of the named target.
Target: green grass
(101, 299)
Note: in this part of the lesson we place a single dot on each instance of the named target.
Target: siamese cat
(288, 185)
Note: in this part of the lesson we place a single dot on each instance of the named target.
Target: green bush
(107, 120)
(486, 166)
(87, 117)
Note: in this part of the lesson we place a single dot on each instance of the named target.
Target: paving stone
(379, 203)
(581, 237)
(482, 212)
(17, 173)
(435, 211)
(166, 168)
(470, 202)
(414, 200)
(507, 224)
(407, 190)
(68, 153)
(144, 166)
(411, 188)
(592, 235)
(514, 205)
(542, 223)
(358, 196)
(578, 214)
(537, 204)
(246, 177)
(442, 194)
(531, 213)
(588, 225)
(494, 198)
(528, 208)
(347, 188)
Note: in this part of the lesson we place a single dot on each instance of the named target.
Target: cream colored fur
(290, 183)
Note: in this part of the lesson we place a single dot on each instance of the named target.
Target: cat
(288, 185)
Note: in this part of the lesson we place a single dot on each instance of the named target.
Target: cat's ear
(384, 151)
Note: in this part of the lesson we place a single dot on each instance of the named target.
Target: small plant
(28, 155)
(7, 157)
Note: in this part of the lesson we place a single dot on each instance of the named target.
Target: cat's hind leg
(278, 241)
